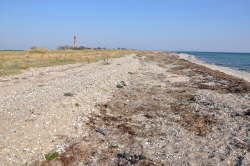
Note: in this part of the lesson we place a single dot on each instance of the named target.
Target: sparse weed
(51, 156)
(68, 94)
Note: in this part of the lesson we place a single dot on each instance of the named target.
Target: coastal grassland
(14, 62)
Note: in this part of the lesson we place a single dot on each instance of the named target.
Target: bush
(66, 47)
(33, 47)
(37, 50)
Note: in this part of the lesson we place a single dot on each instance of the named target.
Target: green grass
(68, 94)
(51, 156)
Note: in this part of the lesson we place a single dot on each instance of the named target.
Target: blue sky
(203, 25)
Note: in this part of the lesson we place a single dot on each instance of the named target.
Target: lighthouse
(74, 41)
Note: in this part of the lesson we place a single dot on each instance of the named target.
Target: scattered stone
(241, 144)
(121, 85)
(233, 114)
(126, 158)
(101, 131)
(247, 140)
(114, 146)
(247, 113)
(239, 160)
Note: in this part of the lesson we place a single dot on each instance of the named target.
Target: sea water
(240, 61)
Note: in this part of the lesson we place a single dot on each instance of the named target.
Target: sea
(239, 61)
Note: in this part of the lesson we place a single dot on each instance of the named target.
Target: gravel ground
(143, 110)
(43, 108)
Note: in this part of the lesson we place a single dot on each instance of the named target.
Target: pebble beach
(153, 109)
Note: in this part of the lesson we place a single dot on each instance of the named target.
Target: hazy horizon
(209, 25)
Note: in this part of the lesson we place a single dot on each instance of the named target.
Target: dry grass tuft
(13, 62)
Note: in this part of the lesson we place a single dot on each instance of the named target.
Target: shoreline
(227, 70)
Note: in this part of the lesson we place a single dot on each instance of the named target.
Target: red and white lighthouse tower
(74, 41)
